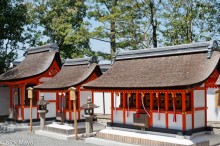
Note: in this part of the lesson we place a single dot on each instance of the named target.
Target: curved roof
(73, 73)
(180, 69)
(35, 63)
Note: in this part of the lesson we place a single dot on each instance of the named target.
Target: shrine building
(161, 89)
(74, 73)
(40, 64)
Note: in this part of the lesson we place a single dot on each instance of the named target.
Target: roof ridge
(43, 48)
(169, 50)
(80, 61)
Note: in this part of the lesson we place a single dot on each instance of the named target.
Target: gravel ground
(26, 138)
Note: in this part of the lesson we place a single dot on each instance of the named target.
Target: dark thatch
(174, 71)
(71, 75)
(35, 63)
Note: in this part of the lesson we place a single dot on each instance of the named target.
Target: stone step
(63, 129)
(146, 139)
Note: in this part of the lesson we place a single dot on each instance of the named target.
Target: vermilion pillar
(151, 109)
(137, 103)
(166, 108)
(22, 100)
(183, 111)
(124, 106)
(192, 107)
(112, 106)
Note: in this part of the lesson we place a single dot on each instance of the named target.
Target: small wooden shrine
(74, 73)
(162, 89)
(40, 64)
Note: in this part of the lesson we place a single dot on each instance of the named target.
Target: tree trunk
(113, 31)
(153, 23)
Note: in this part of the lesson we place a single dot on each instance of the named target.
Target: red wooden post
(151, 109)
(192, 107)
(184, 111)
(78, 103)
(166, 108)
(112, 106)
(137, 104)
(205, 106)
(124, 107)
(22, 100)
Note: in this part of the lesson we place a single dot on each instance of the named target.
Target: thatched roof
(182, 67)
(73, 73)
(37, 61)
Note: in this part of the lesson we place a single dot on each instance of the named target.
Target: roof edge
(81, 61)
(48, 47)
(169, 50)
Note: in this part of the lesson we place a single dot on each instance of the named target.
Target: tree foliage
(190, 21)
(13, 18)
(62, 22)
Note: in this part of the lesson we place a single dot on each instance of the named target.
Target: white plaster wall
(51, 107)
(83, 96)
(117, 116)
(27, 113)
(188, 121)
(98, 100)
(67, 116)
(81, 114)
(159, 123)
(4, 100)
(199, 119)
(117, 100)
(213, 113)
(175, 125)
(129, 119)
(199, 98)
(107, 103)
(49, 95)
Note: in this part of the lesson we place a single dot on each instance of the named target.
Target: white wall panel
(199, 98)
(213, 113)
(161, 123)
(175, 125)
(98, 100)
(188, 121)
(107, 103)
(199, 119)
(27, 113)
(129, 118)
(48, 95)
(67, 116)
(51, 107)
(117, 116)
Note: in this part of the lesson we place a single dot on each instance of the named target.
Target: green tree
(13, 18)
(62, 22)
(189, 21)
(128, 24)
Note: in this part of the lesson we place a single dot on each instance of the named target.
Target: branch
(100, 40)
